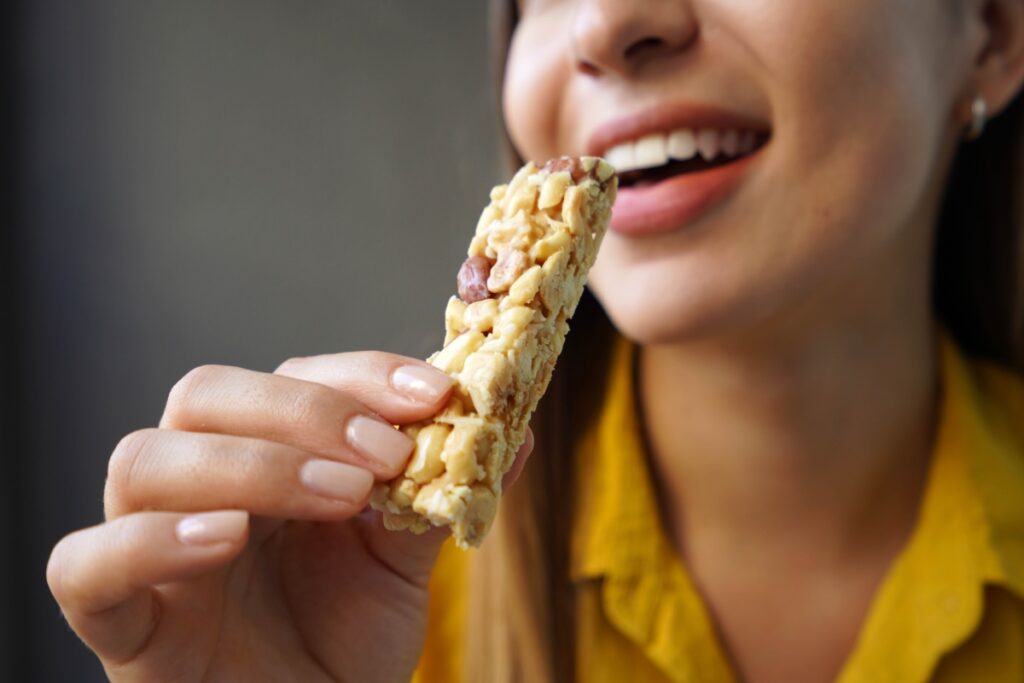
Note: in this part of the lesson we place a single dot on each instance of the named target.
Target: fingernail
(210, 528)
(379, 442)
(336, 480)
(420, 383)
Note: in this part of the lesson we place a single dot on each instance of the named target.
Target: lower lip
(673, 203)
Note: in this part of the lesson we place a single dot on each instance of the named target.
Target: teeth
(707, 143)
(622, 157)
(682, 144)
(650, 151)
(730, 142)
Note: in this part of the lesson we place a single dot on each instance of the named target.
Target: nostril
(643, 47)
(587, 68)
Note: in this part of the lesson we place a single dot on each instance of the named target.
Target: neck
(803, 449)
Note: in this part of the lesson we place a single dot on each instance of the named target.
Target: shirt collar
(617, 536)
(970, 530)
(969, 535)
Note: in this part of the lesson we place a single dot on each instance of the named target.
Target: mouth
(655, 157)
(677, 162)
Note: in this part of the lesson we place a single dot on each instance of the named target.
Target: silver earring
(979, 115)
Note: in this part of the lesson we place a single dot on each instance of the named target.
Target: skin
(788, 306)
(295, 585)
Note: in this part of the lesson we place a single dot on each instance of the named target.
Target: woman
(791, 471)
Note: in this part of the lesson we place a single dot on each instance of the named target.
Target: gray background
(229, 182)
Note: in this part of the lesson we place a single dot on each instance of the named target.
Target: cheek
(859, 117)
(864, 120)
(536, 76)
(861, 97)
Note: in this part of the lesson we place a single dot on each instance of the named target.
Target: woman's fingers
(413, 555)
(302, 414)
(159, 469)
(103, 576)
(398, 388)
(342, 406)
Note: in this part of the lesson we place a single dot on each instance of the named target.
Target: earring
(979, 115)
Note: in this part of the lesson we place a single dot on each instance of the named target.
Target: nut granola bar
(520, 285)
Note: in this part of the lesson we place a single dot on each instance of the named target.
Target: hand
(237, 546)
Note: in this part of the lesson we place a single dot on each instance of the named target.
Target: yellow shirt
(951, 607)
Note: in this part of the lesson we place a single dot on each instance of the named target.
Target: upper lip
(667, 117)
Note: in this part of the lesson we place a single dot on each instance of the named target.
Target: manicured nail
(379, 442)
(336, 480)
(210, 528)
(420, 383)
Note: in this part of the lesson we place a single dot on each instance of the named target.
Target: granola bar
(519, 286)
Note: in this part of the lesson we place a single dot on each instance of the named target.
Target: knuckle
(310, 405)
(290, 366)
(123, 467)
(183, 392)
(252, 470)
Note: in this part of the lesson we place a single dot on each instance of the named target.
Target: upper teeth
(681, 144)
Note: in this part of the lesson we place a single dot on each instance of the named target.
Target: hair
(978, 268)
(522, 600)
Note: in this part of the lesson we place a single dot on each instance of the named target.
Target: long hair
(521, 597)
(978, 271)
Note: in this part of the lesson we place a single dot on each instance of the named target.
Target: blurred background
(227, 182)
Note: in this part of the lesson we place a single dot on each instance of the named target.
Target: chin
(680, 301)
(646, 320)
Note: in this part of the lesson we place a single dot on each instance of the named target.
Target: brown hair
(521, 596)
(978, 272)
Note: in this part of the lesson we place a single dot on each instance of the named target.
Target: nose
(620, 36)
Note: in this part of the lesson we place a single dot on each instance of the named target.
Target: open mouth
(655, 157)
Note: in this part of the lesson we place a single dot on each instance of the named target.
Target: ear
(998, 69)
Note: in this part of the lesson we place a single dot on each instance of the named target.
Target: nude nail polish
(336, 480)
(379, 442)
(211, 528)
(420, 383)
